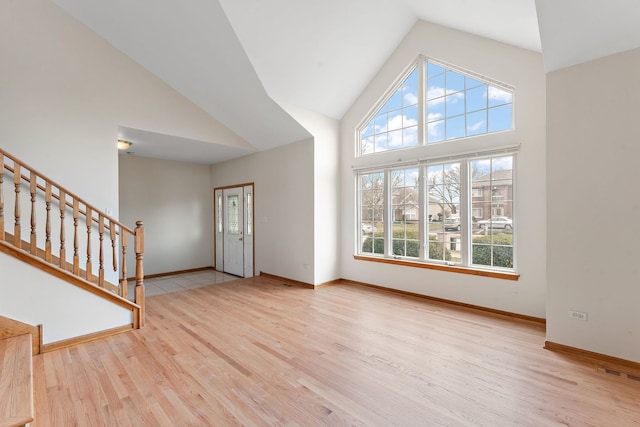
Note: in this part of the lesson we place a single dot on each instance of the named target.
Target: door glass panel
(249, 214)
(219, 210)
(232, 215)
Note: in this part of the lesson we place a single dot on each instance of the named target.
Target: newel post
(139, 248)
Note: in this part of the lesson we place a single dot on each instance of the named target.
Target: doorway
(233, 218)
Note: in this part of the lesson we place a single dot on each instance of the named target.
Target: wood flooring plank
(256, 352)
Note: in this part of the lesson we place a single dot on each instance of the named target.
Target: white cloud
(395, 123)
(410, 98)
(499, 94)
(434, 131)
(395, 135)
(434, 116)
(475, 126)
(436, 94)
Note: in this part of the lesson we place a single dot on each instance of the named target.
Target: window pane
(499, 97)
(435, 87)
(367, 130)
(454, 82)
(381, 142)
(380, 123)
(471, 83)
(410, 89)
(435, 131)
(399, 112)
(249, 214)
(500, 118)
(492, 210)
(433, 70)
(405, 211)
(477, 99)
(220, 214)
(455, 127)
(410, 116)
(395, 139)
(455, 104)
(366, 145)
(447, 94)
(435, 110)
(488, 229)
(394, 103)
(410, 136)
(443, 193)
(395, 120)
(477, 123)
(371, 231)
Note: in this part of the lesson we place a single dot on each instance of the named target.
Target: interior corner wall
(284, 206)
(524, 70)
(593, 205)
(175, 202)
(327, 224)
(326, 195)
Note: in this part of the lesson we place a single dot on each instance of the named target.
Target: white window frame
(462, 151)
(465, 213)
(420, 63)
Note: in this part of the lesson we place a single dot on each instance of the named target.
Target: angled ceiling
(240, 60)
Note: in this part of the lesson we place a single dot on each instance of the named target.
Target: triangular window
(454, 104)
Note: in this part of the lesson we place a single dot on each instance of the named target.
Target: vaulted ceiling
(240, 60)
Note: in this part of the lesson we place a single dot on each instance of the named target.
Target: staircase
(49, 228)
(16, 381)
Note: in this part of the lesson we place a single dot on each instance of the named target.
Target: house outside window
(453, 212)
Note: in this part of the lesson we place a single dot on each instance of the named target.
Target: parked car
(452, 223)
(368, 228)
(496, 222)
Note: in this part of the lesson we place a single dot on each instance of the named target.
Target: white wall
(326, 186)
(284, 206)
(593, 205)
(175, 202)
(64, 92)
(518, 67)
(32, 296)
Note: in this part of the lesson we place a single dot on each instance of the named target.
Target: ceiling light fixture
(124, 145)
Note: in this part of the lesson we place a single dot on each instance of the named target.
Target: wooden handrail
(55, 184)
(24, 176)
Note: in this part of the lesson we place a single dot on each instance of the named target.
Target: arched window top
(435, 103)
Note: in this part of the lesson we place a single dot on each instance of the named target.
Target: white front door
(233, 231)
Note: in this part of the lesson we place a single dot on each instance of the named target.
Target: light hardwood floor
(258, 352)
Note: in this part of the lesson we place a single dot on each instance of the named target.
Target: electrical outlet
(578, 315)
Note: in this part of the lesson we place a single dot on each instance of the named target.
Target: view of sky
(457, 106)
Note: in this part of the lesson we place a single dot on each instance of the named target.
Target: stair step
(16, 381)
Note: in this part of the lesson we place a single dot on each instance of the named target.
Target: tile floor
(180, 282)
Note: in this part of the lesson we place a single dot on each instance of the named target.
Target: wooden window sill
(449, 268)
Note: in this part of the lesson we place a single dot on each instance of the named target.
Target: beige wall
(593, 205)
(175, 202)
(284, 206)
(524, 70)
